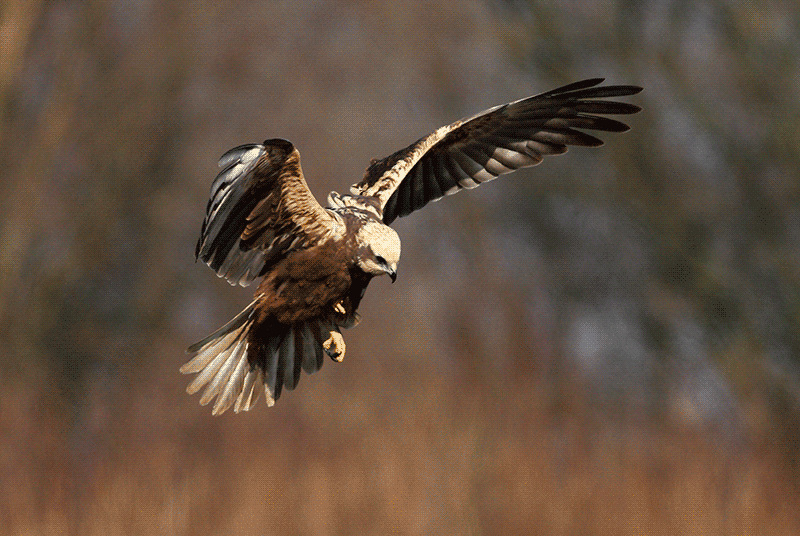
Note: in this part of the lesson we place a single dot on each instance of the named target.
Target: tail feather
(272, 378)
(299, 357)
(312, 348)
(233, 386)
(210, 370)
(242, 360)
(251, 391)
(228, 328)
(236, 355)
(208, 353)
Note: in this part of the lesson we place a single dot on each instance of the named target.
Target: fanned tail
(245, 358)
(222, 363)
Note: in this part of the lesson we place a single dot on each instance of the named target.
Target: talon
(334, 346)
(343, 319)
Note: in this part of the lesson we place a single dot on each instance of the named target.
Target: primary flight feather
(316, 262)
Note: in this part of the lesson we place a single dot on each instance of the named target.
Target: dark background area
(608, 343)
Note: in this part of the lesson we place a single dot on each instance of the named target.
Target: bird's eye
(381, 260)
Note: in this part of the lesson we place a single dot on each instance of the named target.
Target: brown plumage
(316, 263)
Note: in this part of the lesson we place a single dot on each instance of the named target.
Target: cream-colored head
(379, 249)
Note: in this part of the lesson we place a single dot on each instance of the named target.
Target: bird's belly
(293, 300)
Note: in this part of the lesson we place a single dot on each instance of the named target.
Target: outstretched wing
(500, 140)
(260, 208)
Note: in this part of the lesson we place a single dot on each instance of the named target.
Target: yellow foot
(334, 346)
(344, 320)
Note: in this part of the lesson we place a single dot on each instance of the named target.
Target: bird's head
(379, 249)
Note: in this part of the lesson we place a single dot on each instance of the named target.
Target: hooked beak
(392, 273)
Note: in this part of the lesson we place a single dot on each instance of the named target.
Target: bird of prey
(316, 262)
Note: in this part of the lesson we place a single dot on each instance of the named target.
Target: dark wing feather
(260, 207)
(500, 140)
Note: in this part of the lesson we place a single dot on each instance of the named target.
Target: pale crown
(379, 246)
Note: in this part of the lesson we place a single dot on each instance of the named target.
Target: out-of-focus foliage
(608, 343)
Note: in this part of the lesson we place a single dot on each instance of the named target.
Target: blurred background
(608, 343)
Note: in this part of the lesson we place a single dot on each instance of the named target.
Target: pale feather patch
(251, 391)
(269, 395)
(202, 359)
(468, 183)
(209, 371)
(496, 167)
(222, 375)
(221, 361)
(387, 184)
(512, 159)
(538, 149)
(244, 155)
(234, 384)
(484, 176)
(383, 240)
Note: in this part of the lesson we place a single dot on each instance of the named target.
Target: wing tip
(232, 155)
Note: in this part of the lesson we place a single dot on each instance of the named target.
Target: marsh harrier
(315, 262)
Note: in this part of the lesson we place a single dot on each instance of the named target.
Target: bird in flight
(316, 262)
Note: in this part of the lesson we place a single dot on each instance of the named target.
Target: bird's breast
(306, 284)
